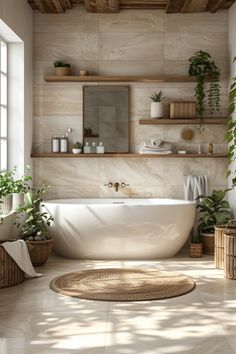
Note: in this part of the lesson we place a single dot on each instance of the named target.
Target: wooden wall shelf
(96, 78)
(124, 155)
(152, 121)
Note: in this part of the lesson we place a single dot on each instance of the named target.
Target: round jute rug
(122, 284)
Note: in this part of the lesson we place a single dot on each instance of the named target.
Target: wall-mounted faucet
(116, 185)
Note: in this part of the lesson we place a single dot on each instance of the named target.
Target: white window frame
(5, 106)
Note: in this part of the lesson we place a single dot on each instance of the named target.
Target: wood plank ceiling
(114, 6)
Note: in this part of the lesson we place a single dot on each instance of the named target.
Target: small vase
(76, 151)
(62, 71)
(156, 109)
(6, 204)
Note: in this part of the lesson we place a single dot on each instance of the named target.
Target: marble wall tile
(77, 20)
(196, 23)
(66, 172)
(65, 46)
(131, 46)
(133, 171)
(54, 99)
(181, 46)
(132, 21)
(130, 67)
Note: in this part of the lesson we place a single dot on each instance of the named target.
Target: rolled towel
(156, 142)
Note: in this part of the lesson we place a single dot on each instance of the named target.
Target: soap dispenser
(100, 148)
(93, 148)
(87, 148)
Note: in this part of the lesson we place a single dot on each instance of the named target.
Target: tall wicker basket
(219, 242)
(230, 254)
(10, 273)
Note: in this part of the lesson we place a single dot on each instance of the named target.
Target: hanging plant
(230, 136)
(204, 68)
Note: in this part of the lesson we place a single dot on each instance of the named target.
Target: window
(3, 105)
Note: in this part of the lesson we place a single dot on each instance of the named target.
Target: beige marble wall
(131, 42)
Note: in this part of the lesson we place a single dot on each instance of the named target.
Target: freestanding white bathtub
(120, 228)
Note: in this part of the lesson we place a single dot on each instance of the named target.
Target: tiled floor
(34, 319)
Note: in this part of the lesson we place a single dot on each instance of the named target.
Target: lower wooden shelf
(124, 155)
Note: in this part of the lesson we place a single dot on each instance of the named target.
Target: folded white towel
(156, 152)
(19, 252)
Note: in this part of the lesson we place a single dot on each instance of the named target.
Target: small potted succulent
(214, 210)
(77, 148)
(157, 105)
(61, 68)
(33, 222)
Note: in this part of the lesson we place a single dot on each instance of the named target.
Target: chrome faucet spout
(116, 185)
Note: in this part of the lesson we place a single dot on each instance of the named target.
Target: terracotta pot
(39, 251)
(195, 250)
(62, 71)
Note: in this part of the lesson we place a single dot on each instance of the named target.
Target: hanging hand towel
(195, 186)
(19, 252)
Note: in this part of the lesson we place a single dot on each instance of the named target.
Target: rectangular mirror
(106, 117)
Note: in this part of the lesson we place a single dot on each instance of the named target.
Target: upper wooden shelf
(148, 79)
(124, 155)
(182, 121)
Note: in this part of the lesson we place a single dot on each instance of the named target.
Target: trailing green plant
(32, 219)
(61, 64)
(203, 67)
(77, 145)
(157, 97)
(230, 135)
(214, 210)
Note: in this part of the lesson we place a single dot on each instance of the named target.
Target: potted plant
(21, 187)
(204, 68)
(6, 191)
(61, 68)
(214, 210)
(195, 246)
(34, 223)
(77, 148)
(157, 105)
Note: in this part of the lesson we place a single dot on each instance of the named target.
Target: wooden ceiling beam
(174, 6)
(194, 6)
(214, 5)
(102, 6)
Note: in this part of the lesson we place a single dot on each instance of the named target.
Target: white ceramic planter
(156, 109)
(18, 200)
(6, 204)
(76, 151)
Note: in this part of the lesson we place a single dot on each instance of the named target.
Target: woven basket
(39, 251)
(195, 250)
(208, 243)
(219, 242)
(230, 254)
(10, 273)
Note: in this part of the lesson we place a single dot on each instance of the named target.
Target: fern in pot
(34, 222)
(214, 210)
(157, 104)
